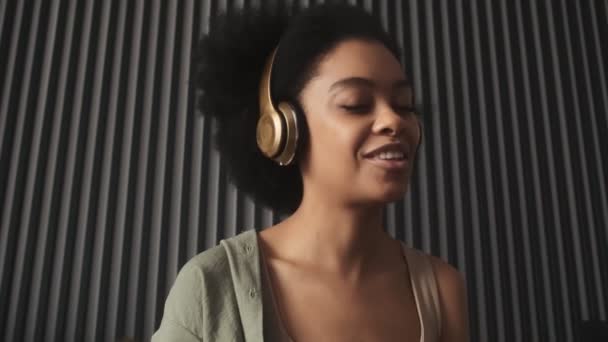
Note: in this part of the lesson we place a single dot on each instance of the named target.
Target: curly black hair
(228, 68)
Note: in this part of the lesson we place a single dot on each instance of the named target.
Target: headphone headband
(266, 105)
(277, 129)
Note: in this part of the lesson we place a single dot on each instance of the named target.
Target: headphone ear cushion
(290, 133)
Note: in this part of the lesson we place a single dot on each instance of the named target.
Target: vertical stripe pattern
(109, 181)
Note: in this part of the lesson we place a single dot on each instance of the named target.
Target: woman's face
(358, 101)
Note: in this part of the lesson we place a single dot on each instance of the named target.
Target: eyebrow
(360, 81)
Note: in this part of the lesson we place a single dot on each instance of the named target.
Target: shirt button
(248, 249)
(252, 293)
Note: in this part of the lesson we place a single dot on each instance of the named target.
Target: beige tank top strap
(424, 286)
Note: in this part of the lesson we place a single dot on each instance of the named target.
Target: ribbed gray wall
(108, 182)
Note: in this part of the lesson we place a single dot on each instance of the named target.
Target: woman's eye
(357, 108)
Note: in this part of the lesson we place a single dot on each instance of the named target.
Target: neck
(345, 240)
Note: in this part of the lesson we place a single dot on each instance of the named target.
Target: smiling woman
(316, 120)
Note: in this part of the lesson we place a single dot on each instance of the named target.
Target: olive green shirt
(217, 295)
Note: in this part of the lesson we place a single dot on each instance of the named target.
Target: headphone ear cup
(269, 134)
(290, 133)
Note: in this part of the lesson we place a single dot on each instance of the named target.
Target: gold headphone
(277, 130)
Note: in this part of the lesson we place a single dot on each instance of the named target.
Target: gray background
(108, 182)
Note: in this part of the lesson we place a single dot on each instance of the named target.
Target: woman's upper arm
(453, 297)
(183, 313)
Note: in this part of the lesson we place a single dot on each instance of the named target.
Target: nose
(389, 122)
(394, 124)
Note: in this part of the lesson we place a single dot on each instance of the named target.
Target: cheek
(336, 147)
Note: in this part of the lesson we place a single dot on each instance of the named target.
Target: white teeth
(390, 155)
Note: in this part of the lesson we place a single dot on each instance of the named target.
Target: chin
(393, 197)
(392, 194)
(382, 192)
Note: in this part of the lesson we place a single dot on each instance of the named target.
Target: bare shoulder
(453, 296)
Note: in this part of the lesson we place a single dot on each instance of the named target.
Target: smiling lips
(389, 164)
(393, 156)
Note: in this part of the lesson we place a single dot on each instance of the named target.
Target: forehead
(360, 59)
